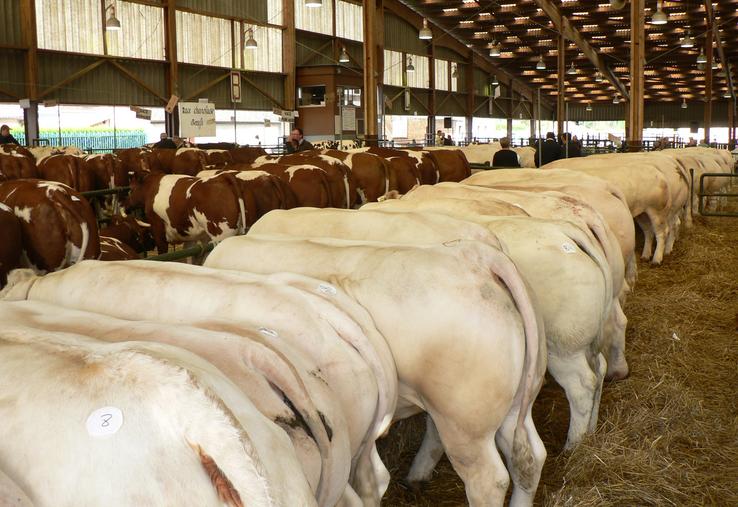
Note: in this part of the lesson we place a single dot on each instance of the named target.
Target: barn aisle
(668, 435)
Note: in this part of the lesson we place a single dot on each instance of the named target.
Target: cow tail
(346, 185)
(387, 172)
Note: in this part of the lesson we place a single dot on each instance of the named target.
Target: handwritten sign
(196, 119)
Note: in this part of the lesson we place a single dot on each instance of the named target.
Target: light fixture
(598, 77)
(702, 58)
(659, 17)
(495, 82)
(520, 115)
(250, 41)
(425, 32)
(687, 41)
(715, 64)
(701, 66)
(541, 65)
(494, 49)
(410, 68)
(684, 103)
(727, 95)
(455, 71)
(616, 100)
(343, 57)
(572, 70)
(588, 108)
(313, 3)
(112, 23)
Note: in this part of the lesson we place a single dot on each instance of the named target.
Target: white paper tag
(326, 289)
(104, 422)
(568, 248)
(268, 332)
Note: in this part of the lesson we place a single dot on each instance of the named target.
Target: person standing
(165, 142)
(549, 151)
(297, 142)
(447, 141)
(505, 157)
(6, 137)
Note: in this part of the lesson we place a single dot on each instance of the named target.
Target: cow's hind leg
(371, 477)
(525, 454)
(476, 460)
(574, 375)
(648, 235)
(428, 456)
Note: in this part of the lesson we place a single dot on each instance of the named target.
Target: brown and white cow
(113, 249)
(15, 163)
(58, 225)
(190, 209)
(246, 154)
(66, 169)
(11, 245)
(127, 229)
(372, 173)
(308, 183)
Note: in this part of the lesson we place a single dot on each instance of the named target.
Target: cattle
(371, 172)
(11, 245)
(308, 183)
(565, 269)
(15, 164)
(450, 164)
(130, 231)
(405, 171)
(66, 169)
(336, 339)
(113, 249)
(246, 154)
(137, 161)
(464, 305)
(339, 177)
(212, 446)
(601, 195)
(107, 171)
(218, 157)
(11, 495)
(187, 161)
(41, 152)
(268, 190)
(189, 209)
(58, 225)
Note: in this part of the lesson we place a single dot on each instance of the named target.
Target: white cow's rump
(458, 338)
(139, 421)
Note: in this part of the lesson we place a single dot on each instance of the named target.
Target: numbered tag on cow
(568, 248)
(328, 290)
(104, 422)
(268, 332)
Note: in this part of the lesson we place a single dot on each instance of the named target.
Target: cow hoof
(617, 375)
(415, 487)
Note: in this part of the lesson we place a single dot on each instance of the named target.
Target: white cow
(566, 271)
(314, 318)
(466, 343)
(142, 423)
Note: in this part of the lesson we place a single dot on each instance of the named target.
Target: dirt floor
(668, 434)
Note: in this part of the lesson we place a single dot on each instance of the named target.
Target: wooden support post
(509, 111)
(561, 75)
(634, 132)
(289, 56)
(28, 29)
(373, 66)
(708, 80)
(430, 129)
(731, 125)
(470, 96)
(171, 121)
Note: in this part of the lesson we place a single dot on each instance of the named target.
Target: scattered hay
(668, 435)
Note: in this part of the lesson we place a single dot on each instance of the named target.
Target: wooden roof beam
(720, 48)
(564, 26)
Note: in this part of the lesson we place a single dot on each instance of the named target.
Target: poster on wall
(196, 119)
(348, 117)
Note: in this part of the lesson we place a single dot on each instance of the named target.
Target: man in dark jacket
(549, 152)
(6, 137)
(570, 148)
(165, 142)
(297, 142)
(505, 157)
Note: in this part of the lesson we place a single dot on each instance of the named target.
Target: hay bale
(668, 435)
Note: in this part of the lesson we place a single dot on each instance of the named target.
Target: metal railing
(703, 196)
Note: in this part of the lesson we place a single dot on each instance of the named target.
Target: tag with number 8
(104, 422)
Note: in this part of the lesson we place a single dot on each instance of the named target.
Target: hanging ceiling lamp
(702, 58)
(250, 41)
(589, 107)
(495, 82)
(541, 65)
(616, 100)
(494, 49)
(313, 3)
(425, 32)
(410, 68)
(455, 71)
(112, 23)
(343, 57)
(598, 77)
(715, 64)
(659, 17)
(572, 70)
(727, 95)
(687, 41)
(684, 103)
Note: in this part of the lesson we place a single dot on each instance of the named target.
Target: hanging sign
(196, 119)
(235, 86)
(143, 114)
(169, 108)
